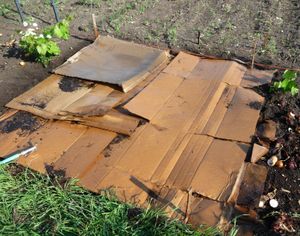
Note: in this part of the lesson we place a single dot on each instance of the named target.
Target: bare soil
(284, 182)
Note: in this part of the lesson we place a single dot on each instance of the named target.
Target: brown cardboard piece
(91, 106)
(252, 185)
(258, 152)
(172, 150)
(189, 156)
(57, 140)
(113, 61)
(255, 78)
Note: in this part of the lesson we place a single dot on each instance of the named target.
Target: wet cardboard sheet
(113, 61)
(190, 155)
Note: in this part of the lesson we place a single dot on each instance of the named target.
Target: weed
(43, 48)
(4, 9)
(288, 84)
(172, 35)
(89, 2)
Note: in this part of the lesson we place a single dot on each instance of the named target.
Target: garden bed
(282, 182)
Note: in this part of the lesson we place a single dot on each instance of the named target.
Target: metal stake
(17, 2)
(55, 10)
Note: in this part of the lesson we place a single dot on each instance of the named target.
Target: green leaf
(57, 31)
(285, 84)
(53, 48)
(42, 49)
(294, 91)
(289, 74)
(277, 85)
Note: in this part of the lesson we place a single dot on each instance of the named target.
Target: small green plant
(172, 35)
(288, 84)
(43, 47)
(4, 9)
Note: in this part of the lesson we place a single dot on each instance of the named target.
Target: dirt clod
(58, 177)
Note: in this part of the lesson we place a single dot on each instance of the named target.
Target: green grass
(34, 204)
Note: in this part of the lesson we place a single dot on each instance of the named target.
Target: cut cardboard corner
(254, 78)
(258, 152)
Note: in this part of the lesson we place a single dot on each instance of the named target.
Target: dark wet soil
(285, 181)
(23, 121)
(134, 213)
(69, 84)
(58, 177)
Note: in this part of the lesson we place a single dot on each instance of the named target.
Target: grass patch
(35, 204)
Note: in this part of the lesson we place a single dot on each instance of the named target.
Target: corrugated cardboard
(252, 185)
(189, 157)
(57, 141)
(168, 150)
(113, 61)
(91, 106)
(255, 78)
(258, 152)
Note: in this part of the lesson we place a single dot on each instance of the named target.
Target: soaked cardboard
(113, 61)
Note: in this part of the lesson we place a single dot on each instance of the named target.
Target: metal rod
(55, 10)
(17, 2)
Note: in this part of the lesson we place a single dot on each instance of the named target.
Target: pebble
(273, 203)
(22, 63)
(272, 161)
(279, 164)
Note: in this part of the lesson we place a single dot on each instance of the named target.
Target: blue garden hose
(17, 155)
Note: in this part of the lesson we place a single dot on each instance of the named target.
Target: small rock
(273, 203)
(279, 164)
(22, 63)
(272, 161)
(1, 34)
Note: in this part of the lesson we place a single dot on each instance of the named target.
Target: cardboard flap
(258, 152)
(75, 100)
(113, 61)
(255, 78)
(182, 65)
(252, 185)
(154, 96)
(217, 173)
(236, 115)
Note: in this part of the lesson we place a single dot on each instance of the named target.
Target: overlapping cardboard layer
(65, 98)
(181, 147)
(113, 61)
(189, 157)
(56, 141)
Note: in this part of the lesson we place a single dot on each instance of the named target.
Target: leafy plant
(43, 47)
(4, 9)
(172, 35)
(288, 84)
